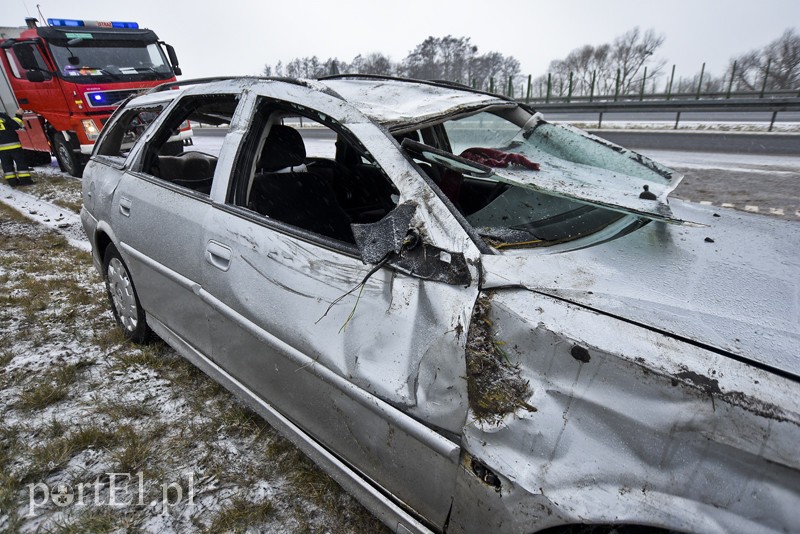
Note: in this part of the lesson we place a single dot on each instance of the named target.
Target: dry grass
(57, 189)
(495, 386)
(49, 388)
(240, 514)
(77, 402)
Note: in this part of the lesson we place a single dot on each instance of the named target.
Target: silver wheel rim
(121, 290)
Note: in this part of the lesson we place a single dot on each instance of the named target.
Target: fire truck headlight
(91, 129)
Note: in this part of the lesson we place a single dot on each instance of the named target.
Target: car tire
(125, 305)
(68, 160)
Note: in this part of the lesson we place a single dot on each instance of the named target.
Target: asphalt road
(773, 144)
(687, 116)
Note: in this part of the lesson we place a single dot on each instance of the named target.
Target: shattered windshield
(93, 61)
(504, 213)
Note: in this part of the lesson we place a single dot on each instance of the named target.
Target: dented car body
(473, 319)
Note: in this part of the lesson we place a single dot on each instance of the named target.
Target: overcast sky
(236, 37)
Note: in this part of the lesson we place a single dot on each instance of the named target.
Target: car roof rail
(303, 82)
(192, 81)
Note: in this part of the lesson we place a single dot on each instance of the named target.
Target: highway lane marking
(749, 208)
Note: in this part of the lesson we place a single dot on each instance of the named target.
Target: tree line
(448, 58)
(629, 64)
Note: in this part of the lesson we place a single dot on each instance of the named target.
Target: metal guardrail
(639, 96)
(773, 104)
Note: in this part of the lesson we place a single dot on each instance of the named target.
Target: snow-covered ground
(99, 435)
(48, 214)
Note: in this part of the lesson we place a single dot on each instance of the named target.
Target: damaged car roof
(392, 102)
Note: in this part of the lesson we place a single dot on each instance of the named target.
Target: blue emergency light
(72, 23)
(65, 22)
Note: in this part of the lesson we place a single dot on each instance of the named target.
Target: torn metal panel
(428, 262)
(739, 299)
(579, 166)
(376, 240)
(675, 416)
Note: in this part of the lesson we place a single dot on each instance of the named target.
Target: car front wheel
(125, 304)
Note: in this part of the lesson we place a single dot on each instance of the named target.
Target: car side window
(302, 168)
(123, 133)
(176, 156)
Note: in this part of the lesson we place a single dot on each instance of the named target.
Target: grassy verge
(57, 188)
(79, 404)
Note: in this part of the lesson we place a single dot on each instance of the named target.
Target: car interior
(178, 162)
(322, 191)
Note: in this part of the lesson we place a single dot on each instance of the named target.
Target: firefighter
(11, 151)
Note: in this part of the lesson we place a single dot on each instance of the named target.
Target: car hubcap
(122, 297)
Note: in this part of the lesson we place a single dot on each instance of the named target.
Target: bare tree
(785, 55)
(377, 63)
(777, 63)
(604, 68)
(422, 61)
(457, 59)
(588, 64)
(630, 52)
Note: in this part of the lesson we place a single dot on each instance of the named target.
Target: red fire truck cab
(70, 75)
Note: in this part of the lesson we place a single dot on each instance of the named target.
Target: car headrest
(283, 148)
(187, 166)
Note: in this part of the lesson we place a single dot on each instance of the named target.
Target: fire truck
(70, 75)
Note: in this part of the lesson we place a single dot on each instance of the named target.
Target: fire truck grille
(99, 99)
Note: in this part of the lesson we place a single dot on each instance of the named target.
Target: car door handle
(218, 255)
(125, 206)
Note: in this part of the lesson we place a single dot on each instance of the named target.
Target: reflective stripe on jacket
(10, 146)
(8, 133)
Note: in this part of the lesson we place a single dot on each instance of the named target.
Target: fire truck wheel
(67, 159)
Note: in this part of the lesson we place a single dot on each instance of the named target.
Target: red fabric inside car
(497, 158)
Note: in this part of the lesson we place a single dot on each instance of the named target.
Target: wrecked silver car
(473, 319)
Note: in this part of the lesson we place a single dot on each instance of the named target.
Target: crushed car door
(366, 359)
